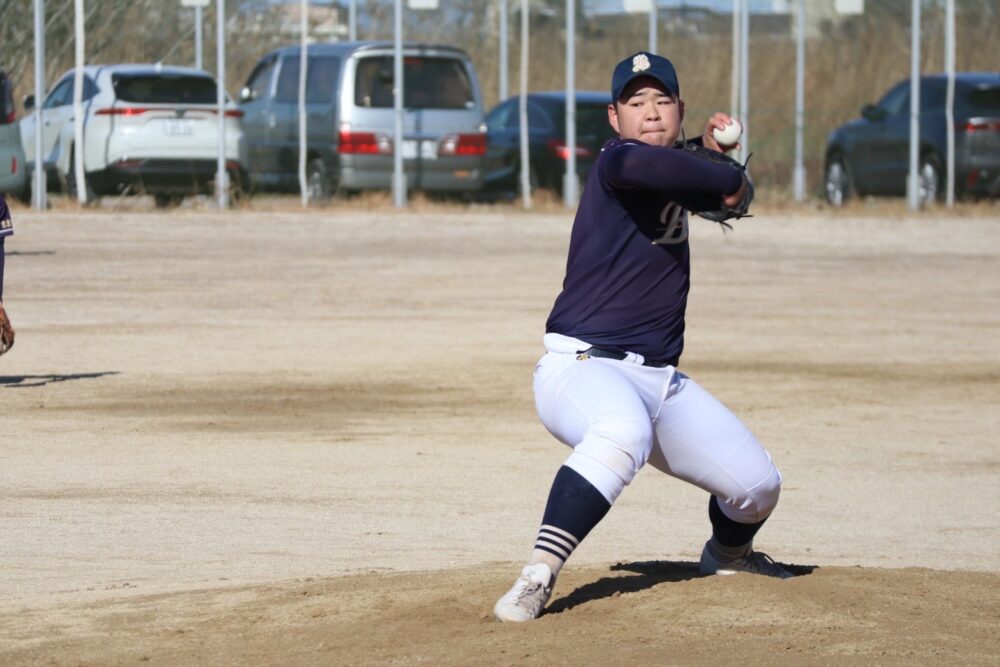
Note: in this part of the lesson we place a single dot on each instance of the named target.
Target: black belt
(605, 353)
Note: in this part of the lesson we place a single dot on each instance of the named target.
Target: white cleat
(754, 562)
(526, 599)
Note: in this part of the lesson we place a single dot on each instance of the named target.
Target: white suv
(147, 129)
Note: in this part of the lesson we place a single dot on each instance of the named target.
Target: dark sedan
(547, 147)
(871, 155)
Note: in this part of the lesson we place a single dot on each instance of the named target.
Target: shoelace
(530, 588)
(764, 564)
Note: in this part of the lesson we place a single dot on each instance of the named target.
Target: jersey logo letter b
(674, 218)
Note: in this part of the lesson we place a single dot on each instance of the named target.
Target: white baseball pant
(617, 415)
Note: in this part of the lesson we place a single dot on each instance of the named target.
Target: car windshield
(429, 83)
(164, 88)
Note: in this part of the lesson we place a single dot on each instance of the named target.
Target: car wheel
(838, 182)
(24, 195)
(318, 187)
(239, 186)
(168, 200)
(929, 179)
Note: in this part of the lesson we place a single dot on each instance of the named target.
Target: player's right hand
(719, 120)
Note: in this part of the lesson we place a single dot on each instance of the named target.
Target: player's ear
(613, 117)
(680, 108)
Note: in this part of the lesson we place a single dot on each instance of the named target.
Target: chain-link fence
(850, 59)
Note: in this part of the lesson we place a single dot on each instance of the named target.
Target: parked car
(546, 139)
(351, 120)
(147, 129)
(13, 165)
(871, 155)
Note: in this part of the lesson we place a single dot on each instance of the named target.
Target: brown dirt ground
(275, 437)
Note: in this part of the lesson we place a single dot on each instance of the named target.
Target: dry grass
(851, 65)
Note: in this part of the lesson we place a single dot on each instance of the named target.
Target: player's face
(647, 113)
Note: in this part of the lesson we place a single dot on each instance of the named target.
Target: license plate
(175, 127)
(425, 149)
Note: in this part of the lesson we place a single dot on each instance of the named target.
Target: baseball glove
(724, 213)
(6, 332)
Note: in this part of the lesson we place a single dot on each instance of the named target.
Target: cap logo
(640, 63)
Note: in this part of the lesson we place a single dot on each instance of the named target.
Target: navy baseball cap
(644, 63)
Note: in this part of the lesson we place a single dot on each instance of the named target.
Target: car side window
(61, 95)
(288, 80)
(321, 79)
(932, 96)
(259, 82)
(897, 100)
(497, 119)
(537, 118)
(89, 88)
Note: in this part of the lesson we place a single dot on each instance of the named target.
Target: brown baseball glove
(6, 332)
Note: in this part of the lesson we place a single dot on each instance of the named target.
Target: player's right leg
(592, 407)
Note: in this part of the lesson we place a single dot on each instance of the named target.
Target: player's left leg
(699, 440)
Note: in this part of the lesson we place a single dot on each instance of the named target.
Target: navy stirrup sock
(574, 507)
(728, 532)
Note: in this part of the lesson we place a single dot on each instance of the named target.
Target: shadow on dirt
(25, 381)
(647, 574)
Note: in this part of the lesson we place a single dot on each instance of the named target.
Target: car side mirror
(873, 113)
(246, 94)
(29, 102)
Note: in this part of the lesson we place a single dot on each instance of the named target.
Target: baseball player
(608, 385)
(6, 229)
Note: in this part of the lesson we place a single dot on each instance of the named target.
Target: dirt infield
(284, 438)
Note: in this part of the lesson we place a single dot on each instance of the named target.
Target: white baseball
(730, 134)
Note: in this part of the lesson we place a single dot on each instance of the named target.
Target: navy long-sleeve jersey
(628, 270)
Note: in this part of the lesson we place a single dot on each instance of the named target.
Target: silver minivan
(350, 119)
(13, 165)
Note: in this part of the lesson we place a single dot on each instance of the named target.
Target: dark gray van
(350, 119)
